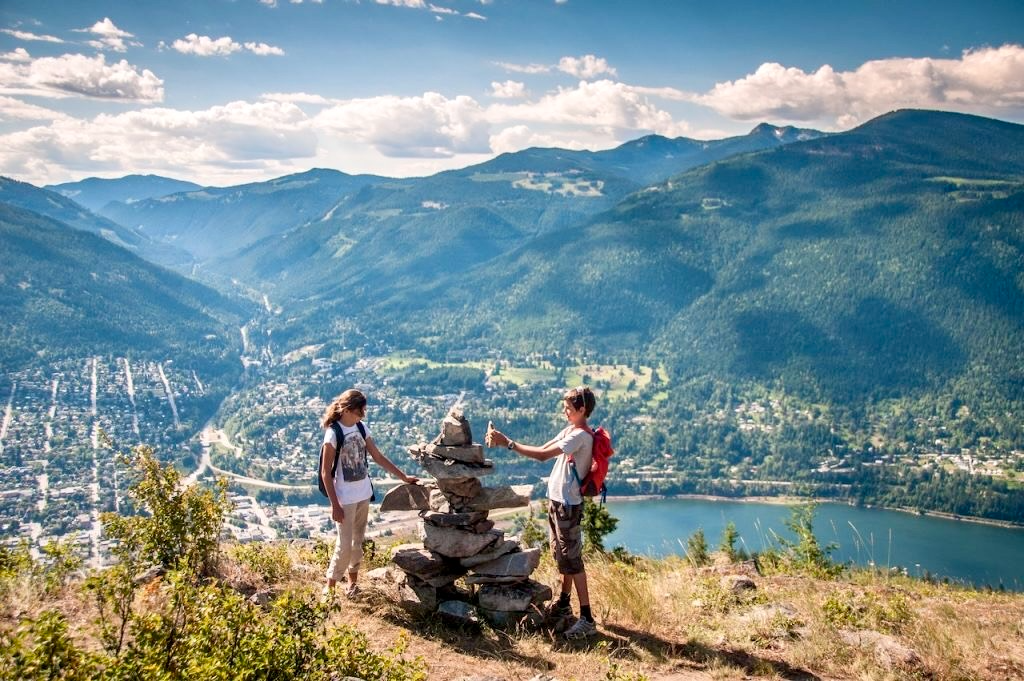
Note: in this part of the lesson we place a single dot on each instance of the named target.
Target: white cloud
(264, 50)
(429, 126)
(524, 68)
(76, 74)
(412, 4)
(25, 35)
(205, 46)
(588, 66)
(987, 80)
(295, 97)
(614, 108)
(519, 137)
(269, 3)
(510, 89)
(15, 109)
(110, 36)
(442, 10)
(239, 137)
(474, 15)
(20, 54)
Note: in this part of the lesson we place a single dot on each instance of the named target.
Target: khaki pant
(566, 536)
(348, 549)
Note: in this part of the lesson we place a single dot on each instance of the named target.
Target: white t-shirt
(352, 480)
(562, 485)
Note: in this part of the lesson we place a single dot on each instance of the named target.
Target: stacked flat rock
(460, 541)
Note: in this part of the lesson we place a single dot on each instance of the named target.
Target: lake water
(963, 551)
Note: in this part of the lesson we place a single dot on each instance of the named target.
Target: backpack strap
(339, 436)
(572, 460)
(362, 431)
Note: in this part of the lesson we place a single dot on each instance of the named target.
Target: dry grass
(661, 620)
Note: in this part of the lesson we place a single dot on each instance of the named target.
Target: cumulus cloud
(15, 109)
(474, 15)
(205, 46)
(588, 66)
(510, 89)
(110, 37)
(20, 54)
(986, 80)
(25, 35)
(264, 50)
(295, 97)
(76, 74)
(610, 106)
(429, 126)
(519, 137)
(215, 141)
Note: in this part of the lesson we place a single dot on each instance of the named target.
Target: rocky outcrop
(459, 540)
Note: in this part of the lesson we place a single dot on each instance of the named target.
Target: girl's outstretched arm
(385, 463)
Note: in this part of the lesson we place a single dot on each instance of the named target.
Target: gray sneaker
(581, 629)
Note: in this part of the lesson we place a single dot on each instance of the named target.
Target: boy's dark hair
(582, 396)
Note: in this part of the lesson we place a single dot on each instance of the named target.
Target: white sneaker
(581, 629)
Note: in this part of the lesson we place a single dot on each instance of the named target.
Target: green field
(612, 381)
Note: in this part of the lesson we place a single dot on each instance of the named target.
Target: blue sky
(230, 91)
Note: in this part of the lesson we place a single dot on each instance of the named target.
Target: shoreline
(789, 500)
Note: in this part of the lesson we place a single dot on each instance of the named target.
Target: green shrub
(183, 524)
(42, 648)
(270, 562)
(597, 523)
(697, 549)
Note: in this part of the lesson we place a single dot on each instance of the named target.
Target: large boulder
(503, 619)
(453, 519)
(455, 430)
(491, 498)
(499, 549)
(465, 454)
(514, 598)
(455, 543)
(407, 498)
(447, 470)
(519, 564)
(428, 566)
(463, 487)
(458, 612)
(887, 650)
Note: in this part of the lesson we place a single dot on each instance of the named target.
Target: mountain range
(527, 192)
(851, 266)
(66, 292)
(95, 192)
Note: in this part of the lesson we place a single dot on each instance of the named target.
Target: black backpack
(339, 435)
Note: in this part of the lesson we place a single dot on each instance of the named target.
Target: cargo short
(566, 536)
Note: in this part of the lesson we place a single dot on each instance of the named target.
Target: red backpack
(592, 484)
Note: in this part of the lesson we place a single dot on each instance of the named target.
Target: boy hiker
(570, 448)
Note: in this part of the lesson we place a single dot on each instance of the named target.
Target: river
(962, 551)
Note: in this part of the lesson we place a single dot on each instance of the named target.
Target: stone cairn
(460, 541)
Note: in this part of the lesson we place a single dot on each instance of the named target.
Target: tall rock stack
(460, 541)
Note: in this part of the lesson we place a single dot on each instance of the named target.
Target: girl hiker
(570, 448)
(350, 490)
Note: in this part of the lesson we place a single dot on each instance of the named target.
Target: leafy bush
(597, 523)
(269, 562)
(184, 522)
